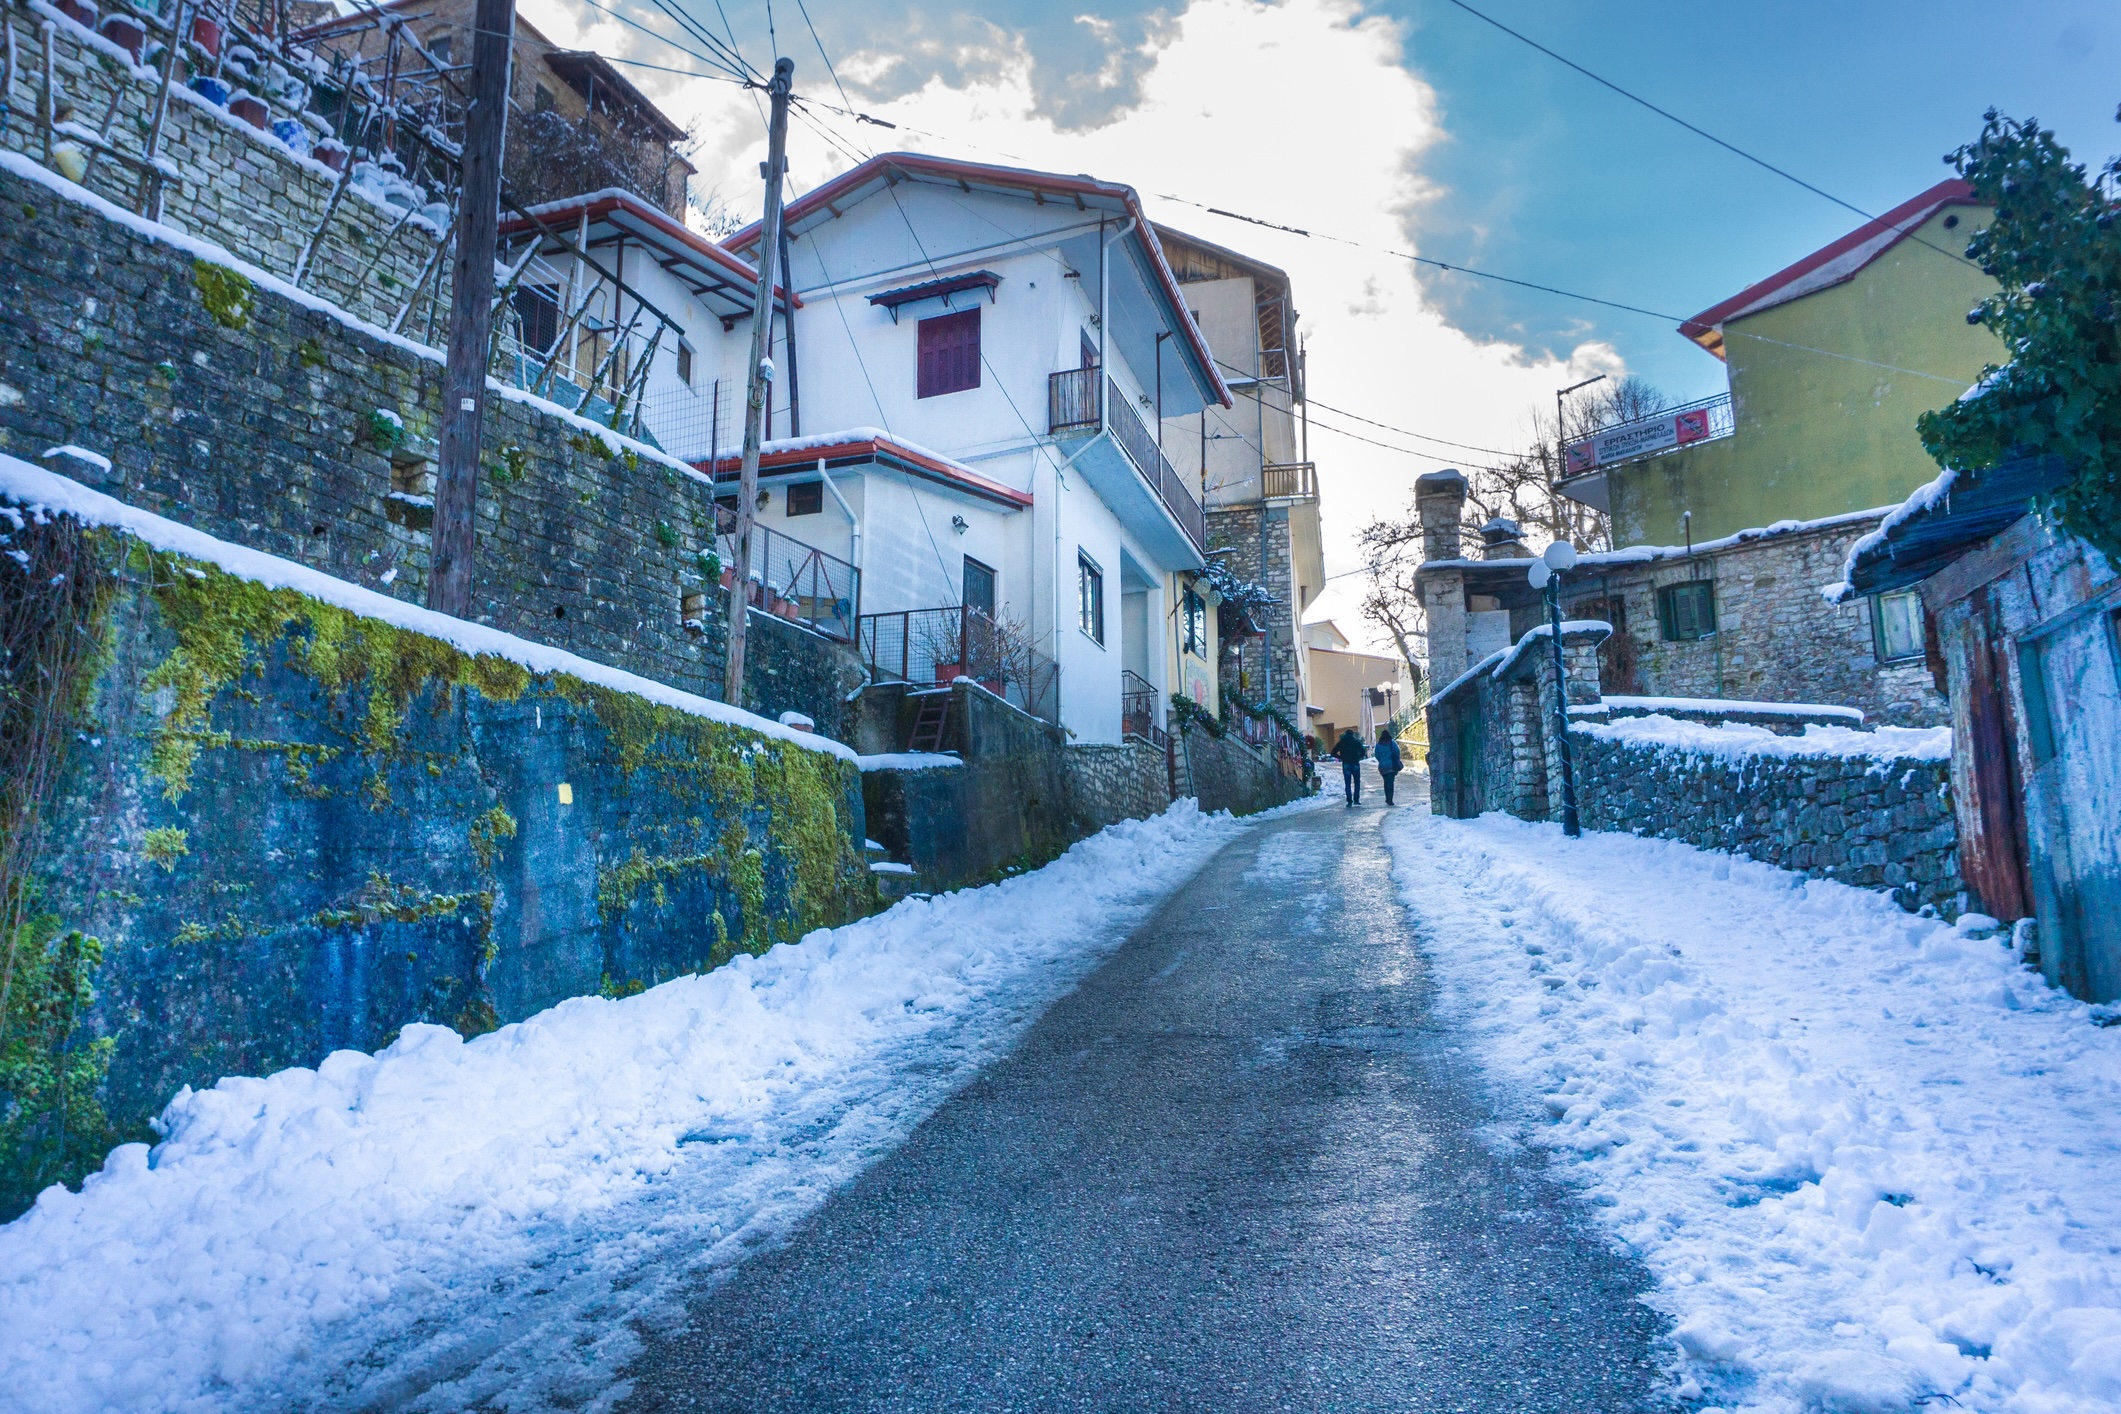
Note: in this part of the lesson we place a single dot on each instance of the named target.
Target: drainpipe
(854, 524)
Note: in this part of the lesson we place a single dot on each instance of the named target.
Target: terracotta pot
(332, 153)
(126, 33)
(206, 34)
(79, 11)
(251, 109)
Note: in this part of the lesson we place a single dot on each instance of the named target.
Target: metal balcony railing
(1137, 710)
(798, 582)
(934, 647)
(1638, 439)
(1079, 398)
(1289, 481)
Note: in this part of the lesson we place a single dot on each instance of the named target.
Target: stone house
(1252, 459)
(575, 123)
(2028, 628)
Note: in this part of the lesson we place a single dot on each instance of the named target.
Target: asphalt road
(1238, 1169)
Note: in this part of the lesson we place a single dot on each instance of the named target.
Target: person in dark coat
(1388, 762)
(1350, 751)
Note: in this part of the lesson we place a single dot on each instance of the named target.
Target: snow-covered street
(447, 1216)
(1869, 1158)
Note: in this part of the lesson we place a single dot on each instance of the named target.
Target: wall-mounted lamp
(960, 524)
(765, 499)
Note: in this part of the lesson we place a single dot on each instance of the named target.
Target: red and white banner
(1635, 439)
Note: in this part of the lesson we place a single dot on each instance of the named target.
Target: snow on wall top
(1729, 704)
(1735, 740)
(47, 491)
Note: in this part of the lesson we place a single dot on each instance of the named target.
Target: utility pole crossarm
(759, 377)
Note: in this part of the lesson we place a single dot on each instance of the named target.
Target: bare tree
(1391, 553)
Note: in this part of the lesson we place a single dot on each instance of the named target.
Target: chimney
(1440, 500)
(1501, 539)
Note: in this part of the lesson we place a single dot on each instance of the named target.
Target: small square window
(443, 47)
(1090, 597)
(979, 586)
(1896, 625)
(1687, 611)
(541, 101)
(685, 363)
(806, 498)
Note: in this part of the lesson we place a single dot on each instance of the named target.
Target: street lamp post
(1561, 445)
(1545, 574)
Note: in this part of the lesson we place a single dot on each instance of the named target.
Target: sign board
(1637, 439)
(1195, 681)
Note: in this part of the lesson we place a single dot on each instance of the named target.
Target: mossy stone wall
(293, 830)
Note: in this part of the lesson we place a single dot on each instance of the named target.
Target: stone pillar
(1440, 501)
(1443, 603)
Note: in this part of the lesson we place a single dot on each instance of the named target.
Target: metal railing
(1639, 439)
(1137, 710)
(1139, 444)
(934, 647)
(1289, 481)
(798, 582)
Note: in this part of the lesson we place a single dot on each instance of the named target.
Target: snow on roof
(1829, 265)
(48, 491)
(1926, 495)
(795, 453)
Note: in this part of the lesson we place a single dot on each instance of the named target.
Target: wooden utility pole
(761, 376)
(470, 311)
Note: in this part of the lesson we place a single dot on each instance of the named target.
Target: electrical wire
(1670, 116)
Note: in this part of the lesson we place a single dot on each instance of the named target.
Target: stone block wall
(1776, 638)
(257, 419)
(293, 829)
(1229, 774)
(240, 188)
(1876, 825)
(1260, 537)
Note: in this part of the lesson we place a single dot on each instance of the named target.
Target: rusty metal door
(1991, 802)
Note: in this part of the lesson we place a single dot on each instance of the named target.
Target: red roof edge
(1908, 214)
(857, 445)
(1031, 180)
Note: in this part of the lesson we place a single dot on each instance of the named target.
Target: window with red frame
(949, 353)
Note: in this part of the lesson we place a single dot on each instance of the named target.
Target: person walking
(1350, 751)
(1388, 762)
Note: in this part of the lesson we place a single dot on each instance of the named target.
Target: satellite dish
(1539, 574)
(1560, 555)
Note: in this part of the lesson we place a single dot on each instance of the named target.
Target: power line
(1670, 116)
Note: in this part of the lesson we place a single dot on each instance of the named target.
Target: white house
(983, 358)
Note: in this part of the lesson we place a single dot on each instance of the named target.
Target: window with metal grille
(979, 586)
(1090, 597)
(949, 353)
(1687, 611)
(538, 307)
(806, 498)
(1194, 617)
(1896, 625)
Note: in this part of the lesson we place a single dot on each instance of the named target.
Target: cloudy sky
(1414, 125)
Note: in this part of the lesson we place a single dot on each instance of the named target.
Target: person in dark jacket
(1388, 762)
(1350, 751)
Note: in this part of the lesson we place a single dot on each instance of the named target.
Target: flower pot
(206, 34)
(332, 153)
(251, 109)
(79, 11)
(71, 161)
(127, 33)
(211, 89)
(294, 134)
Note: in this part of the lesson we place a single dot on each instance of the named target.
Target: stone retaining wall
(1230, 775)
(294, 830)
(1873, 824)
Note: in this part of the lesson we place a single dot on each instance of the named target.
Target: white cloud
(1302, 112)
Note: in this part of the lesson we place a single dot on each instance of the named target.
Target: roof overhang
(865, 446)
(943, 289)
(1830, 265)
(1940, 524)
(1087, 194)
(726, 284)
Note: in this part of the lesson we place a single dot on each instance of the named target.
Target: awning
(942, 289)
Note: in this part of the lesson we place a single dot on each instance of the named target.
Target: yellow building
(1350, 688)
(1831, 360)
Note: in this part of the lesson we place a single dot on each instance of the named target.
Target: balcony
(1623, 444)
(1137, 710)
(794, 581)
(935, 647)
(1082, 401)
(1288, 481)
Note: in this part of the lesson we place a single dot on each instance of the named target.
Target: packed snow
(1868, 1157)
(446, 1222)
(1739, 739)
(1821, 711)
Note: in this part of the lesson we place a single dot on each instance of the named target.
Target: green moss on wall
(226, 294)
(165, 845)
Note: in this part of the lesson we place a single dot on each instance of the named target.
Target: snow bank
(445, 1222)
(48, 491)
(1737, 739)
(906, 761)
(1869, 1160)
